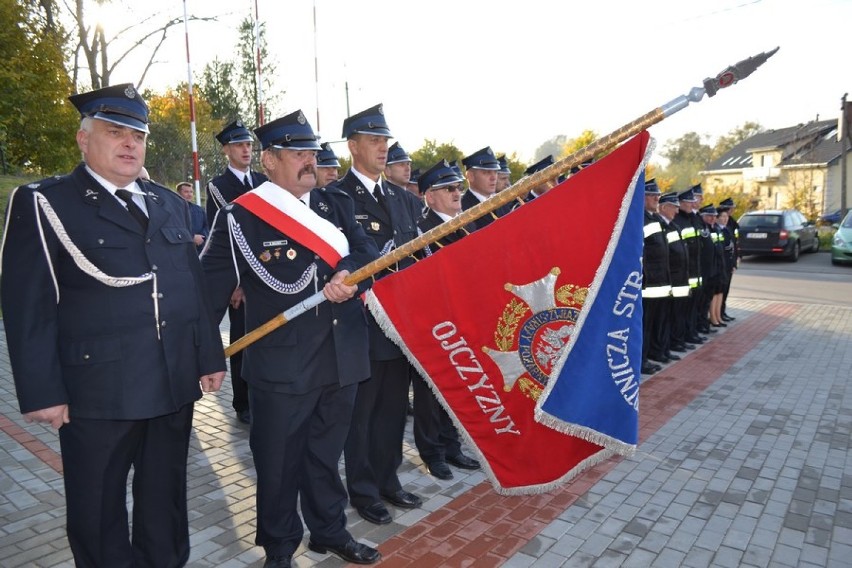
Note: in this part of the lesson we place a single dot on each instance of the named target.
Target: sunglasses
(449, 188)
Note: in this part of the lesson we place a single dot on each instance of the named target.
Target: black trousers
(296, 442)
(373, 450)
(96, 458)
(679, 320)
(652, 311)
(240, 399)
(435, 435)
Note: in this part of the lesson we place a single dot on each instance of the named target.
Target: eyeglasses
(449, 188)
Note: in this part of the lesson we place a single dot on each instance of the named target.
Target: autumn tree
(430, 152)
(169, 154)
(37, 123)
(734, 137)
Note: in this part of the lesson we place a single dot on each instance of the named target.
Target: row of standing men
(111, 319)
(689, 258)
(389, 208)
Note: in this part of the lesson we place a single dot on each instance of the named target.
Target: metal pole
(600, 146)
(196, 169)
(844, 138)
(260, 112)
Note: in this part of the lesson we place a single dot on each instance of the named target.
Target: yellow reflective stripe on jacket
(657, 292)
(688, 233)
(652, 229)
(693, 282)
(672, 237)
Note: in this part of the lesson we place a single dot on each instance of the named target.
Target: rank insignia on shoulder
(265, 256)
(323, 207)
(374, 225)
(291, 254)
(91, 194)
(360, 190)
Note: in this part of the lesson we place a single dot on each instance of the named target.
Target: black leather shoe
(440, 469)
(353, 551)
(678, 348)
(376, 513)
(244, 416)
(650, 368)
(403, 499)
(688, 347)
(726, 317)
(673, 357)
(462, 461)
(658, 358)
(697, 340)
(277, 562)
(720, 324)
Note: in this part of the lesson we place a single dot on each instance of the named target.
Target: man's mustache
(309, 169)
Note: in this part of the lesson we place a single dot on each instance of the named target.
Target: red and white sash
(283, 211)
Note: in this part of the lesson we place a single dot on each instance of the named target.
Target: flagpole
(711, 86)
(196, 169)
(260, 111)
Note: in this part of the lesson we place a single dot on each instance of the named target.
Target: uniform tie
(377, 193)
(247, 182)
(134, 210)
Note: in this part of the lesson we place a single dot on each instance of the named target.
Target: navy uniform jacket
(387, 232)
(326, 345)
(75, 340)
(469, 200)
(678, 255)
(225, 188)
(690, 227)
(655, 255)
(432, 220)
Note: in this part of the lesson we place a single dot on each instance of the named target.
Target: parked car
(841, 245)
(777, 233)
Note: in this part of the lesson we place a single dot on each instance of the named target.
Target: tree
(36, 120)
(430, 152)
(220, 91)
(169, 154)
(248, 72)
(687, 156)
(572, 145)
(102, 52)
(734, 137)
(551, 147)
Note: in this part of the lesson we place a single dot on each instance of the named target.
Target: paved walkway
(744, 461)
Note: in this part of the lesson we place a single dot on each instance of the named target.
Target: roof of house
(811, 143)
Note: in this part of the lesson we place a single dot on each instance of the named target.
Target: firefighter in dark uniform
(712, 261)
(481, 170)
(109, 336)
(675, 330)
(656, 282)
(435, 436)
(303, 376)
(328, 166)
(543, 188)
(689, 224)
(388, 214)
(732, 252)
(235, 180)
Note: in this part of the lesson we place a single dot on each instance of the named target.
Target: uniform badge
(154, 197)
(238, 123)
(91, 194)
(301, 118)
(361, 217)
(275, 243)
(265, 256)
(323, 207)
(33, 185)
(130, 92)
(374, 226)
(539, 320)
(291, 254)
(277, 253)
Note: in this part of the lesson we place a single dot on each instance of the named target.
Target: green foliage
(742, 202)
(169, 153)
(430, 152)
(37, 124)
(217, 87)
(247, 72)
(572, 145)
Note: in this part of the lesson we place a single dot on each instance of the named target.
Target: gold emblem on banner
(533, 331)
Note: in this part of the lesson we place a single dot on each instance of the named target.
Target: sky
(514, 74)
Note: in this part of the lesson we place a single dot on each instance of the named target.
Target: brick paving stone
(742, 463)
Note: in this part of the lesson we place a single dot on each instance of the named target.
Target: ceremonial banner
(529, 330)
